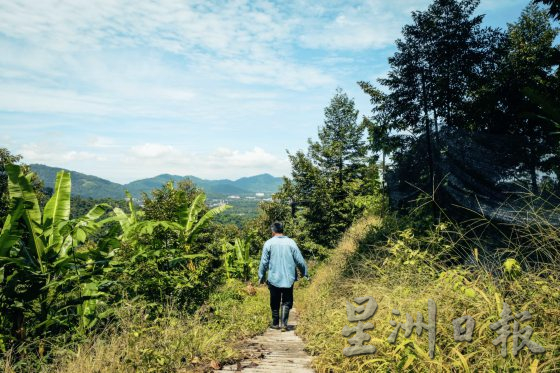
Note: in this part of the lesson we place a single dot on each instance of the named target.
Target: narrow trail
(274, 352)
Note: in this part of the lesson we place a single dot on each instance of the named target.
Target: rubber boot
(275, 319)
(285, 315)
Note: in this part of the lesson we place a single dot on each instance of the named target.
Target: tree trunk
(383, 170)
(429, 146)
(533, 171)
(533, 166)
(534, 185)
(340, 165)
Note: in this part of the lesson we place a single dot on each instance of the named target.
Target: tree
(171, 247)
(554, 7)
(165, 202)
(334, 171)
(379, 127)
(312, 191)
(340, 152)
(46, 276)
(6, 158)
(527, 72)
(443, 56)
(530, 65)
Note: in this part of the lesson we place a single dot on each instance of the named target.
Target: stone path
(275, 352)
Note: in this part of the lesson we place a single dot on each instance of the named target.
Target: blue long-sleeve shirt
(280, 257)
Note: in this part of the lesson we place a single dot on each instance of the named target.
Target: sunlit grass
(400, 276)
(174, 342)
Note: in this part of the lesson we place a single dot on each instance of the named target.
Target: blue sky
(128, 89)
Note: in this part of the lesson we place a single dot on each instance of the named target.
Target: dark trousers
(281, 295)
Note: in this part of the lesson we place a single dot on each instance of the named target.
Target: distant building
(260, 195)
(215, 203)
(234, 197)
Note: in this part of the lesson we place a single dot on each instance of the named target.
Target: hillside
(82, 185)
(96, 187)
(402, 270)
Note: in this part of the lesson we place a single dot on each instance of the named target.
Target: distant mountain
(95, 187)
(260, 183)
(146, 185)
(82, 184)
(213, 188)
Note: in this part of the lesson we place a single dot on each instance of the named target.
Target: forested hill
(95, 187)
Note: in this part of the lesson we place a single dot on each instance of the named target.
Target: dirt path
(275, 352)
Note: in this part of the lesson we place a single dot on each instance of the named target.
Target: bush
(402, 270)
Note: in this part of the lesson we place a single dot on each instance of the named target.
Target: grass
(400, 267)
(173, 343)
(400, 273)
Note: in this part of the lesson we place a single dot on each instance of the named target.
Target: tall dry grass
(402, 271)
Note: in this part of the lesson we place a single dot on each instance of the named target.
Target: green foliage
(166, 253)
(173, 342)
(402, 273)
(237, 260)
(192, 221)
(6, 158)
(512, 269)
(80, 206)
(530, 64)
(380, 139)
(49, 281)
(451, 78)
(333, 181)
(61, 275)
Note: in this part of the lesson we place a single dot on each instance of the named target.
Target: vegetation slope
(396, 268)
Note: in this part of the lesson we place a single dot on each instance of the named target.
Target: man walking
(280, 257)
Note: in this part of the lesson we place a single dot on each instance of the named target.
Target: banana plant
(127, 221)
(189, 220)
(157, 261)
(43, 269)
(237, 260)
(133, 226)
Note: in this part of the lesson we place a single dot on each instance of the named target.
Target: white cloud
(24, 98)
(274, 73)
(360, 25)
(150, 159)
(150, 150)
(225, 158)
(219, 30)
(74, 155)
(229, 28)
(171, 58)
(158, 59)
(152, 82)
(222, 162)
(101, 142)
(55, 154)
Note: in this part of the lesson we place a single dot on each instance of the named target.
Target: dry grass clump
(400, 275)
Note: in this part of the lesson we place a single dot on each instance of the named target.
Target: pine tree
(340, 152)
(444, 55)
(530, 65)
(334, 171)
